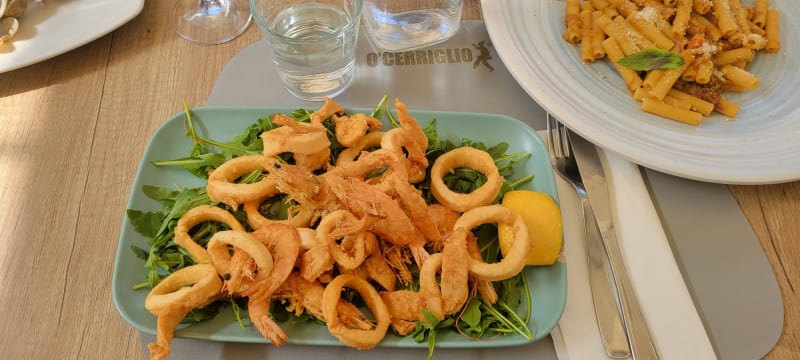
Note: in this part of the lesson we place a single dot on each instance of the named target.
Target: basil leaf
(652, 59)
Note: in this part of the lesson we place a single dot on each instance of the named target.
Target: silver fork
(612, 333)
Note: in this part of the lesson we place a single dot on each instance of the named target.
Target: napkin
(672, 318)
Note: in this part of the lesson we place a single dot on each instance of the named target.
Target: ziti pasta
(677, 57)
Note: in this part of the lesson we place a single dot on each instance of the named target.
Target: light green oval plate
(548, 285)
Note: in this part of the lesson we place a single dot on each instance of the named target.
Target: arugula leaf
(427, 330)
(652, 59)
(146, 223)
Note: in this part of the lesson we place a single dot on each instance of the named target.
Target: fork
(612, 333)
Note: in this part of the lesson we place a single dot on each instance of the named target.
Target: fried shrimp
(514, 262)
(473, 158)
(455, 271)
(357, 338)
(194, 217)
(350, 129)
(283, 241)
(410, 124)
(241, 241)
(223, 188)
(192, 287)
(365, 200)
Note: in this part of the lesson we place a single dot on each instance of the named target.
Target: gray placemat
(465, 74)
(723, 264)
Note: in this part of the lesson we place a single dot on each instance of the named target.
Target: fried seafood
(186, 289)
(298, 216)
(511, 264)
(283, 241)
(455, 271)
(400, 141)
(194, 217)
(366, 143)
(405, 308)
(351, 129)
(359, 222)
(303, 296)
(294, 137)
(365, 200)
(223, 188)
(358, 338)
(328, 109)
(478, 160)
(343, 224)
(242, 242)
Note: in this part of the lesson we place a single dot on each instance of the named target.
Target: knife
(594, 180)
(604, 292)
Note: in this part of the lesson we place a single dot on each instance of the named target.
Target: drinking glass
(407, 25)
(210, 22)
(312, 43)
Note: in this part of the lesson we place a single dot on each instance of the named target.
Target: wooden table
(72, 132)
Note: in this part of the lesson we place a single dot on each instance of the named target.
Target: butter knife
(604, 292)
(594, 179)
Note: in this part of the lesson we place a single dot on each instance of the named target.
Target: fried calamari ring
(195, 216)
(222, 187)
(357, 338)
(400, 141)
(294, 137)
(220, 256)
(192, 287)
(365, 143)
(299, 216)
(343, 224)
(514, 261)
(469, 157)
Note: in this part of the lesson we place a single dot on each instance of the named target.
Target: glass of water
(407, 25)
(312, 43)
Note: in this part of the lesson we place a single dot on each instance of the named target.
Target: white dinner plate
(760, 146)
(52, 27)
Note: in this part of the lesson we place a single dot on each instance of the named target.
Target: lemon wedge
(542, 217)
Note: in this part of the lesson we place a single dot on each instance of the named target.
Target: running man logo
(479, 55)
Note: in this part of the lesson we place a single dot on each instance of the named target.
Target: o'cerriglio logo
(479, 56)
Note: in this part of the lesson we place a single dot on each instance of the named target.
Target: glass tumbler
(406, 25)
(312, 43)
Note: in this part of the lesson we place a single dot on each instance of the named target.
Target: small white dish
(51, 28)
